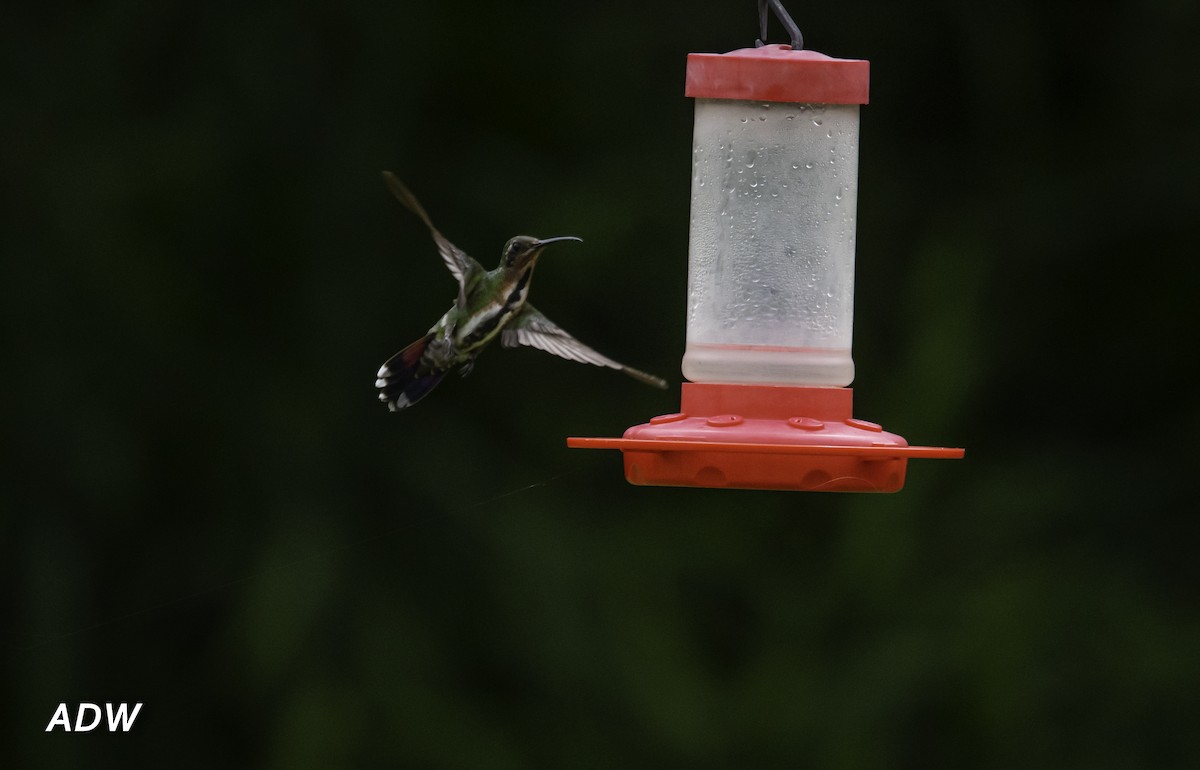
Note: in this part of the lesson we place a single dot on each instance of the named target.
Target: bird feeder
(770, 288)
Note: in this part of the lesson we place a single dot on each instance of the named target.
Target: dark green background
(205, 509)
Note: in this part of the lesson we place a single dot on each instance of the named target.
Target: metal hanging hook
(784, 19)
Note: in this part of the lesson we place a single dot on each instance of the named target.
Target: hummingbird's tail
(402, 381)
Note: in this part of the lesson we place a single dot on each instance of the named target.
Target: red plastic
(776, 73)
(765, 437)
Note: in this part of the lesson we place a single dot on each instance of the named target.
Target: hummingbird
(490, 304)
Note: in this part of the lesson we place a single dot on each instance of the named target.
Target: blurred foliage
(205, 509)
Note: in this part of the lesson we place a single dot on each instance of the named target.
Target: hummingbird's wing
(461, 266)
(532, 328)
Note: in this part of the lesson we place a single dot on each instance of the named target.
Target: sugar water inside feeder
(771, 246)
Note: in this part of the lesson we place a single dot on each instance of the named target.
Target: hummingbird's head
(525, 249)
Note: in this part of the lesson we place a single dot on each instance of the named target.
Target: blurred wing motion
(537, 331)
(460, 265)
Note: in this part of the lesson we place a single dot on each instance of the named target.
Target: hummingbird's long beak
(543, 241)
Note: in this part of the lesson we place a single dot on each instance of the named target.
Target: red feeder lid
(776, 73)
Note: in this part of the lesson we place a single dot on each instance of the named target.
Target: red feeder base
(765, 437)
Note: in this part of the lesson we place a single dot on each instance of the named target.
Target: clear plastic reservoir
(771, 247)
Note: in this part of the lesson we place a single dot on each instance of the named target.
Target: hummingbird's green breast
(492, 301)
